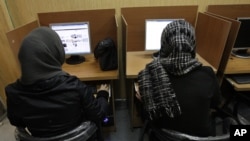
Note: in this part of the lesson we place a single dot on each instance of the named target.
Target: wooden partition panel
(211, 37)
(231, 11)
(135, 19)
(102, 22)
(229, 44)
(16, 36)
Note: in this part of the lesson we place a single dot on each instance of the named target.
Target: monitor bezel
(83, 52)
(241, 47)
(241, 51)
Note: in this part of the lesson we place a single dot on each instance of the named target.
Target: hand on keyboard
(104, 87)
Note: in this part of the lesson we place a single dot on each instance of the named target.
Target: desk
(237, 65)
(136, 62)
(90, 71)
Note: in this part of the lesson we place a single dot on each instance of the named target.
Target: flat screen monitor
(153, 31)
(75, 37)
(242, 43)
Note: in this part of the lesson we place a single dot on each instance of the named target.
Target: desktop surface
(237, 65)
(136, 61)
(90, 70)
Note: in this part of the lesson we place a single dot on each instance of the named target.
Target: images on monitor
(242, 43)
(75, 37)
(153, 31)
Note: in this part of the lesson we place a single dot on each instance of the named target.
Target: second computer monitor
(153, 31)
(242, 44)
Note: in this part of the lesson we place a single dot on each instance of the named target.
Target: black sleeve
(216, 98)
(13, 112)
(94, 108)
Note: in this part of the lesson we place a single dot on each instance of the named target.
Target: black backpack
(106, 53)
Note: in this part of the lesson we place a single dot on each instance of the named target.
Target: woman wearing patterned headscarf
(176, 90)
(47, 100)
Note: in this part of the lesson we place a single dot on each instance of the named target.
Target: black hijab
(41, 56)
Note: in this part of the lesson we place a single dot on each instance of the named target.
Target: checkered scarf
(177, 57)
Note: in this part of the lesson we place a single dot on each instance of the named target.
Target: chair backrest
(171, 135)
(81, 133)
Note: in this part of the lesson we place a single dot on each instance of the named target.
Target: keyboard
(241, 78)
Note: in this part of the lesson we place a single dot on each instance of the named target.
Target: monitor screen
(75, 37)
(243, 37)
(242, 42)
(153, 31)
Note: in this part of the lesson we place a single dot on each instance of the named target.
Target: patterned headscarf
(41, 56)
(177, 57)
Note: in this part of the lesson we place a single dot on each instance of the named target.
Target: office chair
(157, 134)
(84, 132)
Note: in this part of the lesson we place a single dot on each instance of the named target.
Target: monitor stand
(241, 53)
(75, 59)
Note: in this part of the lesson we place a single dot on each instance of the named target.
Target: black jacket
(54, 106)
(197, 92)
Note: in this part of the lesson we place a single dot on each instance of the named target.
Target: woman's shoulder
(208, 70)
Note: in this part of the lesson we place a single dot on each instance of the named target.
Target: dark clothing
(196, 92)
(53, 106)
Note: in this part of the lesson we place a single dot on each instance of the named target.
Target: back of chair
(171, 135)
(81, 133)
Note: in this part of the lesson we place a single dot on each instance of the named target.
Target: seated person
(177, 92)
(45, 99)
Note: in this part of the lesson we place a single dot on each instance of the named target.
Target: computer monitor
(75, 37)
(242, 43)
(153, 31)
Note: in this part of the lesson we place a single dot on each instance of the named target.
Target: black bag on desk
(106, 53)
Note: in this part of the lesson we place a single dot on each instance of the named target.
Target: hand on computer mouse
(104, 87)
(103, 91)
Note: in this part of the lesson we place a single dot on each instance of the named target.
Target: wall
(24, 11)
(8, 65)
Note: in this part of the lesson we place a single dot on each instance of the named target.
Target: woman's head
(178, 37)
(41, 55)
(178, 45)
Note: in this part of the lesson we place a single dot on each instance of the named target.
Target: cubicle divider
(235, 25)
(16, 36)
(211, 38)
(231, 11)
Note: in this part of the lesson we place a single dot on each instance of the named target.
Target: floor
(123, 132)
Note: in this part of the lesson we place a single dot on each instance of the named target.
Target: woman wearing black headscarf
(176, 90)
(45, 99)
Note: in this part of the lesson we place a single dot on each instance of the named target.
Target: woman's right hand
(103, 87)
